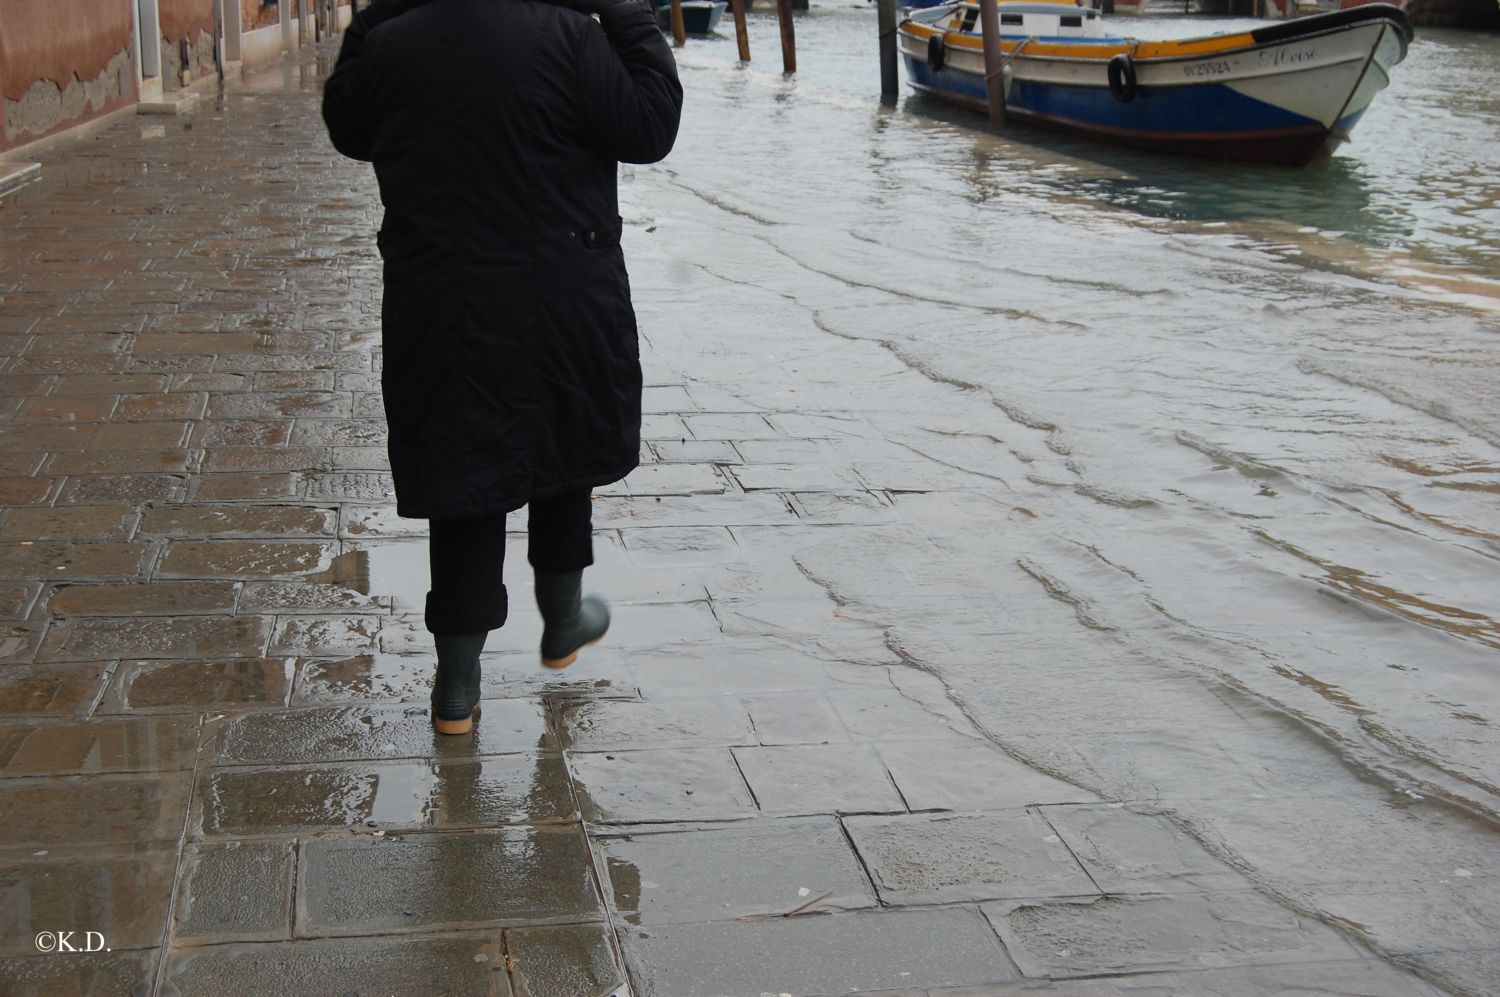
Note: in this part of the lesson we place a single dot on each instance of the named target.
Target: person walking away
(511, 371)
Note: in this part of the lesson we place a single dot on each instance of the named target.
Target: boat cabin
(1033, 19)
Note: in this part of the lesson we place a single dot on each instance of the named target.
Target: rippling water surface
(1250, 413)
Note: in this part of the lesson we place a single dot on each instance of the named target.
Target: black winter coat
(511, 368)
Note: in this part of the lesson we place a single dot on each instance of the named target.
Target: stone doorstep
(175, 103)
(13, 176)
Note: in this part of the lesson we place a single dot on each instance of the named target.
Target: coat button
(591, 237)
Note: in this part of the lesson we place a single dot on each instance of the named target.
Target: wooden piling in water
(788, 36)
(679, 29)
(890, 83)
(994, 64)
(741, 32)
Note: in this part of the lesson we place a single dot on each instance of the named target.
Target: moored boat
(1285, 92)
(699, 17)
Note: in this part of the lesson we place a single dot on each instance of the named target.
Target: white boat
(1285, 92)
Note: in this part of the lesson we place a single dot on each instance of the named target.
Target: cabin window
(1071, 20)
(970, 16)
(1010, 18)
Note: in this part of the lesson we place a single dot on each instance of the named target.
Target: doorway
(147, 48)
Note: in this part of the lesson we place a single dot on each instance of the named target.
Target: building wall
(191, 21)
(62, 63)
(254, 14)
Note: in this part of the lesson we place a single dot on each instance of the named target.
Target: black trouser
(468, 559)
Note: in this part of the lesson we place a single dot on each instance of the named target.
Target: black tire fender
(1121, 73)
(937, 53)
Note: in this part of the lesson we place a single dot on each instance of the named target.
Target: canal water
(1244, 420)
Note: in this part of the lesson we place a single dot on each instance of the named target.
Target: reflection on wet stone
(154, 744)
(599, 726)
(351, 733)
(122, 894)
(186, 687)
(534, 876)
(450, 965)
(123, 637)
(93, 809)
(505, 789)
(49, 690)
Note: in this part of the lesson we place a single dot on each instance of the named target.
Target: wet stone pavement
(215, 751)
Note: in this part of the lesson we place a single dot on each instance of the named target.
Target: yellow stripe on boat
(1064, 50)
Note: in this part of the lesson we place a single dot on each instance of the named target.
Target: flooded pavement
(1045, 573)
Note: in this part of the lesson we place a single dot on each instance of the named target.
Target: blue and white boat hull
(1273, 94)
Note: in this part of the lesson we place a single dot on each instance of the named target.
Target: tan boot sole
(557, 664)
(454, 726)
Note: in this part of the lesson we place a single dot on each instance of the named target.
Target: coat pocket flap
(603, 234)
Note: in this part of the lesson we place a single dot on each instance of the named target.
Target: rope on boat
(1010, 58)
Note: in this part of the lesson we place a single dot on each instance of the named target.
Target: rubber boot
(570, 620)
(455, 688)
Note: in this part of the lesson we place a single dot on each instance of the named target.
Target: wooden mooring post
(679, 29)
(741, 33)
(788, 36)
(890, 83)
(994, 64)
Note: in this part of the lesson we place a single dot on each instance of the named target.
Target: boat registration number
(1218, 68)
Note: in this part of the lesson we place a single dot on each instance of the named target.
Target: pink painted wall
(58, 41)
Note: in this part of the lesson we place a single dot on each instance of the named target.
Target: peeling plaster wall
(200, 59)
(62, 63)
(192, 20)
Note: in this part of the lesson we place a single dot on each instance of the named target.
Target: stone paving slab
(1123, 934)
(300, 799)
(126, 886)
(443, 966)
(97, 974)
(51, 690)
(1127, 852)
(660, 785)
(606, 725)
(104, 809)
(726, 872)
(822, 778)
(236, 890)
(565, 961)
(356, 732)
(153, 686)
(367, 885)
(928, 858)
(144, 744)
(970, 775)
(818, 954)
(1362, 978)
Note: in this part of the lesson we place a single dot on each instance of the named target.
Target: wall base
(261, 45)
